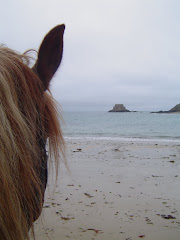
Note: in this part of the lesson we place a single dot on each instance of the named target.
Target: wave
(125, 139)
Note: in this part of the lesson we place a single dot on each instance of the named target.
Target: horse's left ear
(50, 55)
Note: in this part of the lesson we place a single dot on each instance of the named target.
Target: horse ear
(50, 55)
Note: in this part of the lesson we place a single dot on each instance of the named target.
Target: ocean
(144, 126)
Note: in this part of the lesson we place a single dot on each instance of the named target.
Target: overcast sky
(115, 51)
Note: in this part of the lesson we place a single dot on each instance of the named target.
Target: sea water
(127, 126)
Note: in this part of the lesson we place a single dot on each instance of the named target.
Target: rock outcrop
(119, 108)
(175, 109)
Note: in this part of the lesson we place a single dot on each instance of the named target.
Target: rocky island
(175, 109)
(119, 108)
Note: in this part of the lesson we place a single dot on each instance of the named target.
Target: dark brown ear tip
(61, 27)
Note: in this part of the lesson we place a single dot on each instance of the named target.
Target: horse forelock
(27, 113)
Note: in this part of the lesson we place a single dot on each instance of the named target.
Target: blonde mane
(28, 117)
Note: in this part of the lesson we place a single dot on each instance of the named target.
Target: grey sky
(118, 51)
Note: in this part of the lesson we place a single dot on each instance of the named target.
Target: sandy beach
(114, 190)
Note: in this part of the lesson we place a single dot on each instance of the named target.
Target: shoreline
(124, 139)
(115, 190)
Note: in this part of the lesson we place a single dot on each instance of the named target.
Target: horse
(29, 123)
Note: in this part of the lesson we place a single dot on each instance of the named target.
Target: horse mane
(27, 114)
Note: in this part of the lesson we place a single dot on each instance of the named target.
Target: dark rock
(175, 109)
(119, 108)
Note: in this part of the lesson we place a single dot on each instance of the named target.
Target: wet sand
(114, 190)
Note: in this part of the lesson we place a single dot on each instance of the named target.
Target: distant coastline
(121, 108)
(175, 109)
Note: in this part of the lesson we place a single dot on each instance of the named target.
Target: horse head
(28, 119)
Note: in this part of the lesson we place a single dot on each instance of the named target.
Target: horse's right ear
(50, 55)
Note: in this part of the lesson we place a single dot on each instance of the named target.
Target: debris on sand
(166, 216)
(88, 195)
